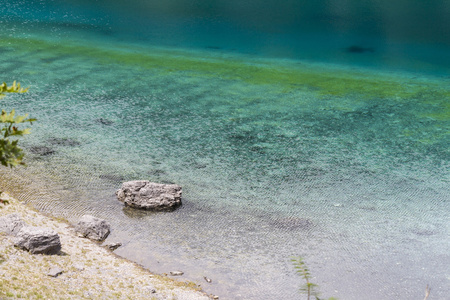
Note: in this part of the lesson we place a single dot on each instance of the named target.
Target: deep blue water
(397, 34)
(297, 128)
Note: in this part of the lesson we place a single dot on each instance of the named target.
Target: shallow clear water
(316, 130)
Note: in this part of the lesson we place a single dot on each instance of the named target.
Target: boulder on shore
(11, 224)
(93, 228)
(148, 195)
(38, 240)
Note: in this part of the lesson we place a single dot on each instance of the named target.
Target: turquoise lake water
(315, 129)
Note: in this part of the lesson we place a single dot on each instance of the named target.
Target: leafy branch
(309, 288)
(10, 153)
(303, 271)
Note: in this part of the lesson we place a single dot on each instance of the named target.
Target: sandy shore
(89, 270)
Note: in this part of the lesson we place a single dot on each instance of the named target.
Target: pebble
(150, 289)
(55, 272)
(176, 273)
(208, 280)
(79, 267)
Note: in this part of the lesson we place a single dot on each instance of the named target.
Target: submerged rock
(104, 121)
(148, 195)
(294, 223)
(11, 224)
(42, 150)
(359, 49)
(38, 240)
(63, 142)
(111, 177)
(93, 228)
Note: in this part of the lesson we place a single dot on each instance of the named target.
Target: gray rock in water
(93, 228)
(38, 240)
(11, 224)
(208, 280)
(55, 272)
(148, 195)
(112, 246)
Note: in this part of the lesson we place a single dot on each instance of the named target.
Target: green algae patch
(283, 78)
(441, 112)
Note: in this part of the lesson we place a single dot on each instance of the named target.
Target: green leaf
(15, 88)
